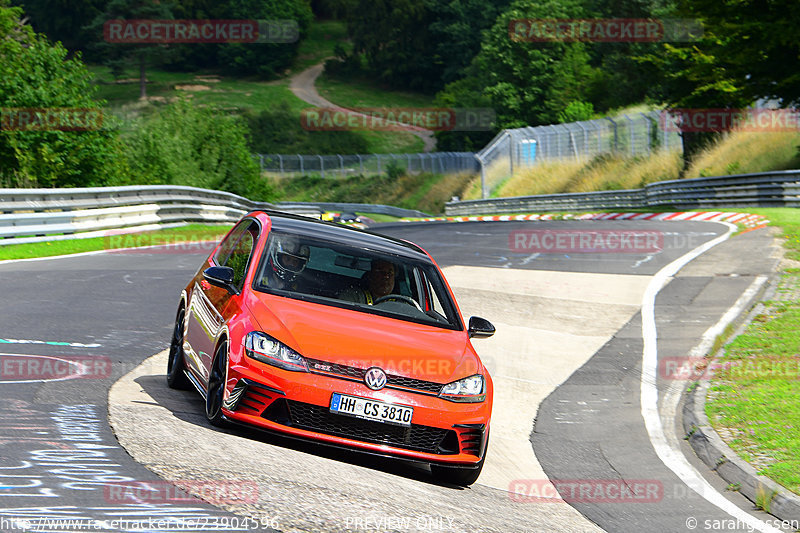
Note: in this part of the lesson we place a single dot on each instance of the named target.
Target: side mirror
(480, 327)
(221, 277)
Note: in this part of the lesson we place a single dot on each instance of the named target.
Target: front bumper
(297, 404)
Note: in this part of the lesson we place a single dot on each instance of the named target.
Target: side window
(237, 255)
(229, 242)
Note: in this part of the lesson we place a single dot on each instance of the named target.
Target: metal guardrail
(355, 208)
(765, 189)
(36, 215)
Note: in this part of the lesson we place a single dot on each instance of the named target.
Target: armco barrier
(34, 215)
(766, 189)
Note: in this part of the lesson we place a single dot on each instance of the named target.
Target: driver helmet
(288, 257)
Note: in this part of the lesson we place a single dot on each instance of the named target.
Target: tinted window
(237, 249)
(338, 274)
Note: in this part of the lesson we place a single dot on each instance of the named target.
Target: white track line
(669, 455)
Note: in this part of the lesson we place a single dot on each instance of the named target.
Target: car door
(208, 303)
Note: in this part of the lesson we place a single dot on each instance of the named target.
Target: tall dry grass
(743, 152)
(604, 172)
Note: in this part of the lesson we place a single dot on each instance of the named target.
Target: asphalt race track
(567, 365)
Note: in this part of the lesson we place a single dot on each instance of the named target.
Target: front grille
(320, 419)
(392, 380)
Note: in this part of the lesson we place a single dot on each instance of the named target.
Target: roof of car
(332, 231)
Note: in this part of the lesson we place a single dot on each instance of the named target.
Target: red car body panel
(339, 336)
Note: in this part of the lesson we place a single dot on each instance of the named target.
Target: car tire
(216, 386)
(176, 378)
(462, 476)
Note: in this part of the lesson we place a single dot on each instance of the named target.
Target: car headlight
(471, 390)
(264, 348)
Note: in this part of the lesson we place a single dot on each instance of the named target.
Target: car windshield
(333, 273)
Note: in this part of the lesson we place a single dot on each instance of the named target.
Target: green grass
(425, 192)
(319, 44)
(756, 395)
(225, 92)
(232, 94)
(188, 233)
(363, 93)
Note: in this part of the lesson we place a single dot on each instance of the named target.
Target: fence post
(302, 167)
(360, 163)
(631, 134)
(341, 165)
(280, 162)
(321, 166)
(616, 134)
(510, 154)
(648, 133)
(261, 162)
(379, 163)
(483, 176)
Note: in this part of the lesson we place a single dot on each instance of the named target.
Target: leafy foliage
(200, 147)
(526, 83)
(278, 131)
(37, 74)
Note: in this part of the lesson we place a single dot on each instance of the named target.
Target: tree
(121, 55)
(64, 20)
(457, 28)
(526, 83)
(198, 146)
(36, 75)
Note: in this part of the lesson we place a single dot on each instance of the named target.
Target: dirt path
(302, 85)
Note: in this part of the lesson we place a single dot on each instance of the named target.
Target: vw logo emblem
(375, 378)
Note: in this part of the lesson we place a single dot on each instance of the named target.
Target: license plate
(371, 409)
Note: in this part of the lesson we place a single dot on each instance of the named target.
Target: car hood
(363, 340)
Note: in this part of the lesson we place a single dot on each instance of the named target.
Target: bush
(200, 147)
(35, 73)
(278, 131)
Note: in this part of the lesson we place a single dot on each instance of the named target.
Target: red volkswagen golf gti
(339, 335)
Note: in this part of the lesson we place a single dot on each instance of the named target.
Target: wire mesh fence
(350, 165)
(637, 135)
